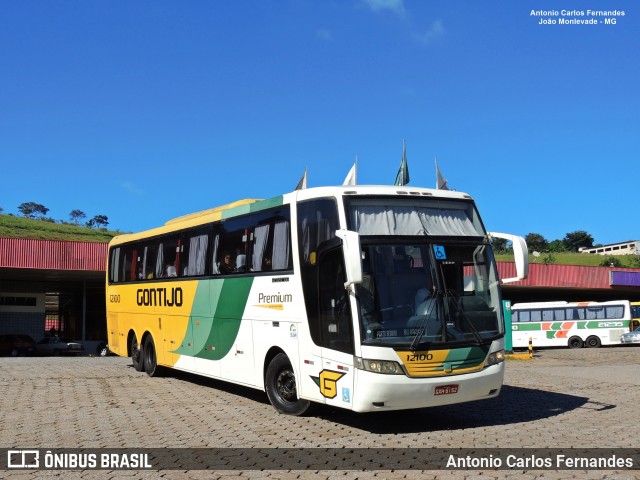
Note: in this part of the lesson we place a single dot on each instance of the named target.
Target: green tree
(611, 262)
(557, 246)
(32, 209)
(98, 221)
(549, 259)
(536, 242)
(76, 215)
(578, 239)
(499, 245)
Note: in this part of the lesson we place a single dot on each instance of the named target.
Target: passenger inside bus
(171, 270)
(266, 264)
(428, 317)
(422, 295)
(227, 265)
(241, 262)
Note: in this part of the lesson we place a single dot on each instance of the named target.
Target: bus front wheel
(136, 354)
(575, 342)
(593, 342)
(280, 384)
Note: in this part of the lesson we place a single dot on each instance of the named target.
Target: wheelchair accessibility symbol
(346, 395)
(439, 252)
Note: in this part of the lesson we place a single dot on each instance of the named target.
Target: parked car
(15, 345)
(58, 346)
(631, 337)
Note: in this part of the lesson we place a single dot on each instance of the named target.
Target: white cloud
(436, 30)
(324, 34)
(131, 188)
(395, 6)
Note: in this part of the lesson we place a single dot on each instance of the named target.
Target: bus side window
(234, 238)
(271, 245)
(559, 314)
(149, 261)
(194, 255)
(128, 264)
(614, 311)
(168, 257)
(114, 265)
(281, 249)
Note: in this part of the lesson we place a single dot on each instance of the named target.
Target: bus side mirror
(352, 258)
(520, 255)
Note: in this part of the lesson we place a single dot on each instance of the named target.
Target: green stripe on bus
(608, 324)
(527, 326)
(227, 317)
(468, 354)
(466, 357)
(213, 338)
(253, 207)
(194, 340)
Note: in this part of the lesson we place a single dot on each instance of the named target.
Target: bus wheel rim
(286, 386)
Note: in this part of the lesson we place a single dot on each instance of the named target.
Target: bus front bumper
(378, 392)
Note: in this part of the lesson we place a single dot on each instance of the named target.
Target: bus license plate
(446, 389)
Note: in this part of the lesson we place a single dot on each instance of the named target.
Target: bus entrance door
(336, 327)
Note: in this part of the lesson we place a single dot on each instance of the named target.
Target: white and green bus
(573, 325)
(368, 298)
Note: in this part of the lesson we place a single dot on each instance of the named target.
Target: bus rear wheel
(280, 384)
(593, 342)
(136, 354)
(150, 358)
(575, 342)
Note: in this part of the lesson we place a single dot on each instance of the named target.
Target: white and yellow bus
(368, 298)
(573, 325)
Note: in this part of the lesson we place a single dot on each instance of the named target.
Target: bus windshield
(409, 297)
(429, 278)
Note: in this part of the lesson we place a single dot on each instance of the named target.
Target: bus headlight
(379, 366)
(494, 358)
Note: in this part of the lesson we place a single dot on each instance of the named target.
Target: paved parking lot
(560, 399)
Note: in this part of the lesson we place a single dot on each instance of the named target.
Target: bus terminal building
(53, 286)
(49, 286)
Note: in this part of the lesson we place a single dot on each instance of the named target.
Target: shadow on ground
(532, 404)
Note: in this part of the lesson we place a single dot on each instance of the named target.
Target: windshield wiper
(425, 320)
(463, 314)
(450, 299)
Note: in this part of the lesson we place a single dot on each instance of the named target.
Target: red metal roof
(52, 254)
(562, 276)
(91, 256)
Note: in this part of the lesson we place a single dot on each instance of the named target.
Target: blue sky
(147, 110)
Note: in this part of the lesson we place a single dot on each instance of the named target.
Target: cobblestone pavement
(560, 399)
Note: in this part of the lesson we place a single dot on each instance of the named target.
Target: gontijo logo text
(159, 297)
